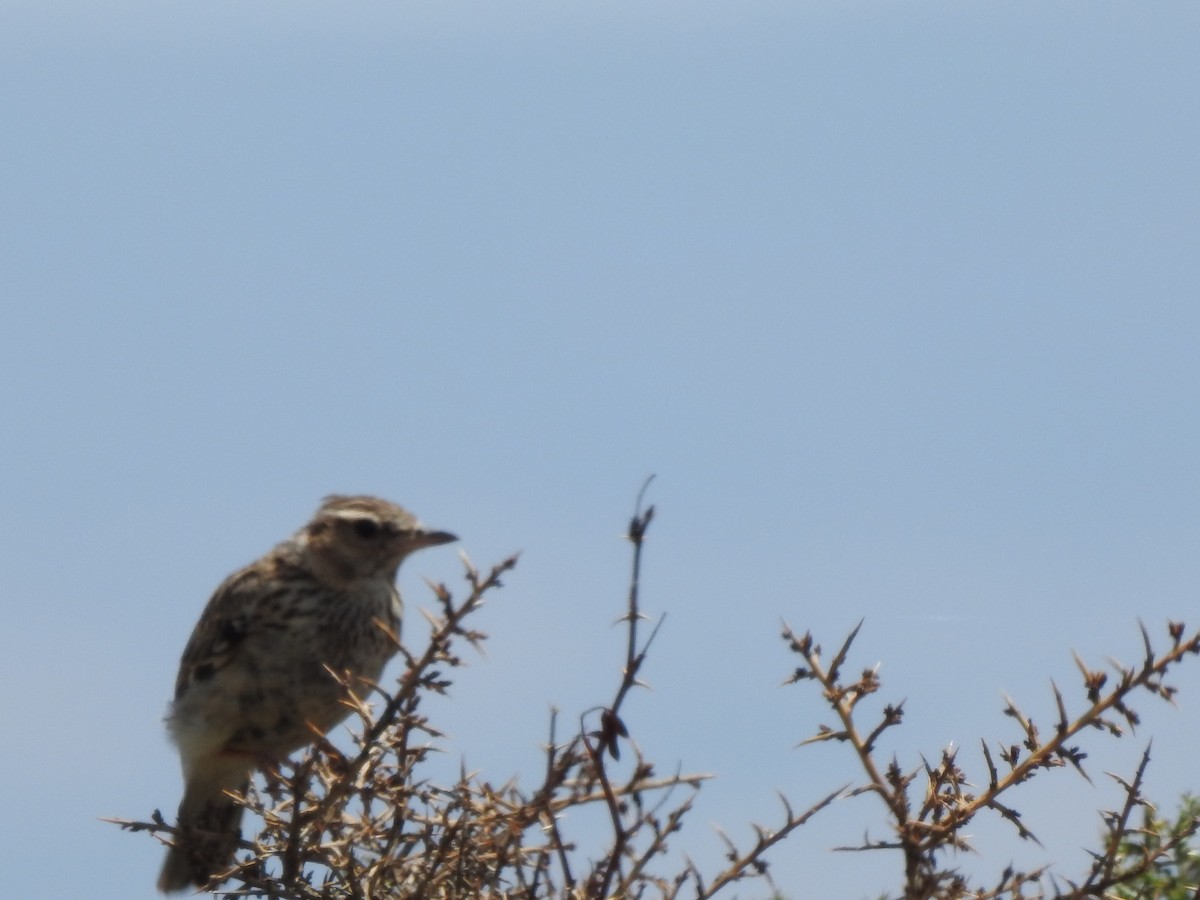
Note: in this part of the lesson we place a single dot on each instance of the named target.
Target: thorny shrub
(368, 823)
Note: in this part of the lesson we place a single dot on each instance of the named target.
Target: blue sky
(898, 300)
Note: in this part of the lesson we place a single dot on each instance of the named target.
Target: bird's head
(356, 537)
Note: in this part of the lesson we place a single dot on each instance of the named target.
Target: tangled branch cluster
(929, 808)
(370, 823)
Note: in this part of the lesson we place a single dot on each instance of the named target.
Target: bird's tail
(206, 835)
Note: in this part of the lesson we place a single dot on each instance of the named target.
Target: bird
(255, 680)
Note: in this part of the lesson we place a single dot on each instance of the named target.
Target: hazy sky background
(898, 300)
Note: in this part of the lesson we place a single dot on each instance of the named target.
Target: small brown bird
(253, 681)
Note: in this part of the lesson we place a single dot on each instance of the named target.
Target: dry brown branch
(926, 829)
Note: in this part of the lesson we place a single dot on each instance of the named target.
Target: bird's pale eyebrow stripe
(354, 515)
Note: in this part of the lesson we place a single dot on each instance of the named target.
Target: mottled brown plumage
(253, 681)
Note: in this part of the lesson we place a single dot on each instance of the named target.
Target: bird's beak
(432, 538)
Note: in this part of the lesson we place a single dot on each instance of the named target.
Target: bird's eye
(367, 528)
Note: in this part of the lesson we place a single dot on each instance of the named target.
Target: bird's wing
(226, 621)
